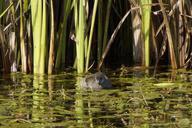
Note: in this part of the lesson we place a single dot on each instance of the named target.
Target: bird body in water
(96, 81)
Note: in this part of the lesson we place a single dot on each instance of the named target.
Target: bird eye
(100, 80)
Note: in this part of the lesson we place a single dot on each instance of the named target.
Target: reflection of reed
(50, 87)
(39, 99)
(83, 109)
(79, 108)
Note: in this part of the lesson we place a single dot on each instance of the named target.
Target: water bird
(96, 81)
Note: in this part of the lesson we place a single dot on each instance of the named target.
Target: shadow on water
(60, 101)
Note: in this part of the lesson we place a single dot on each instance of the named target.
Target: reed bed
(46, 36)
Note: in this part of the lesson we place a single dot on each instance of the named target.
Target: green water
(136, 101)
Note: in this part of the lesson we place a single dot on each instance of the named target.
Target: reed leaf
(6, 10)
(169, 36)
(111, 40)
(91, 33)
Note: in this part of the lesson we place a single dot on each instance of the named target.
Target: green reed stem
(146, 15)
(22, 40)
(79, 14)
(52, 41)
(43, 39)
(91, 34)
(39, 35)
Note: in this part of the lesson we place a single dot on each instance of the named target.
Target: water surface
(136, 100)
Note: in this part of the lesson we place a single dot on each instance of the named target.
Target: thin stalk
(64, 39)
(100, 30)
(12, 41)
(170, 40)
(43, 40)
(75, 4)
(155, 47)
(22, 41)
(1, 7)
(61, 52)
(113, 37)
(181, 37)
(80, 60)
(91, 34)
(29, 46)
(52, 40)
(4, 49)
(12, 51)
(25, 5)
(29, 37)
(6, 10)
(86, 46)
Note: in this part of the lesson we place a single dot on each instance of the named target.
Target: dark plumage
(96, 81)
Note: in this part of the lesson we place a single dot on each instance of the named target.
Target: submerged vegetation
(136, 102)
(45, 36)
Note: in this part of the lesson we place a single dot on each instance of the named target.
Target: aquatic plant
(50, 36)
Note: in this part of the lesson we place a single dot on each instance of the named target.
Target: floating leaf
(164, 84)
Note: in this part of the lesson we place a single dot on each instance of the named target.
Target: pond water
(136, 101)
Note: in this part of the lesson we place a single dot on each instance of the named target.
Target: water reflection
(40, 100)
(59, 101)
(79, 107)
